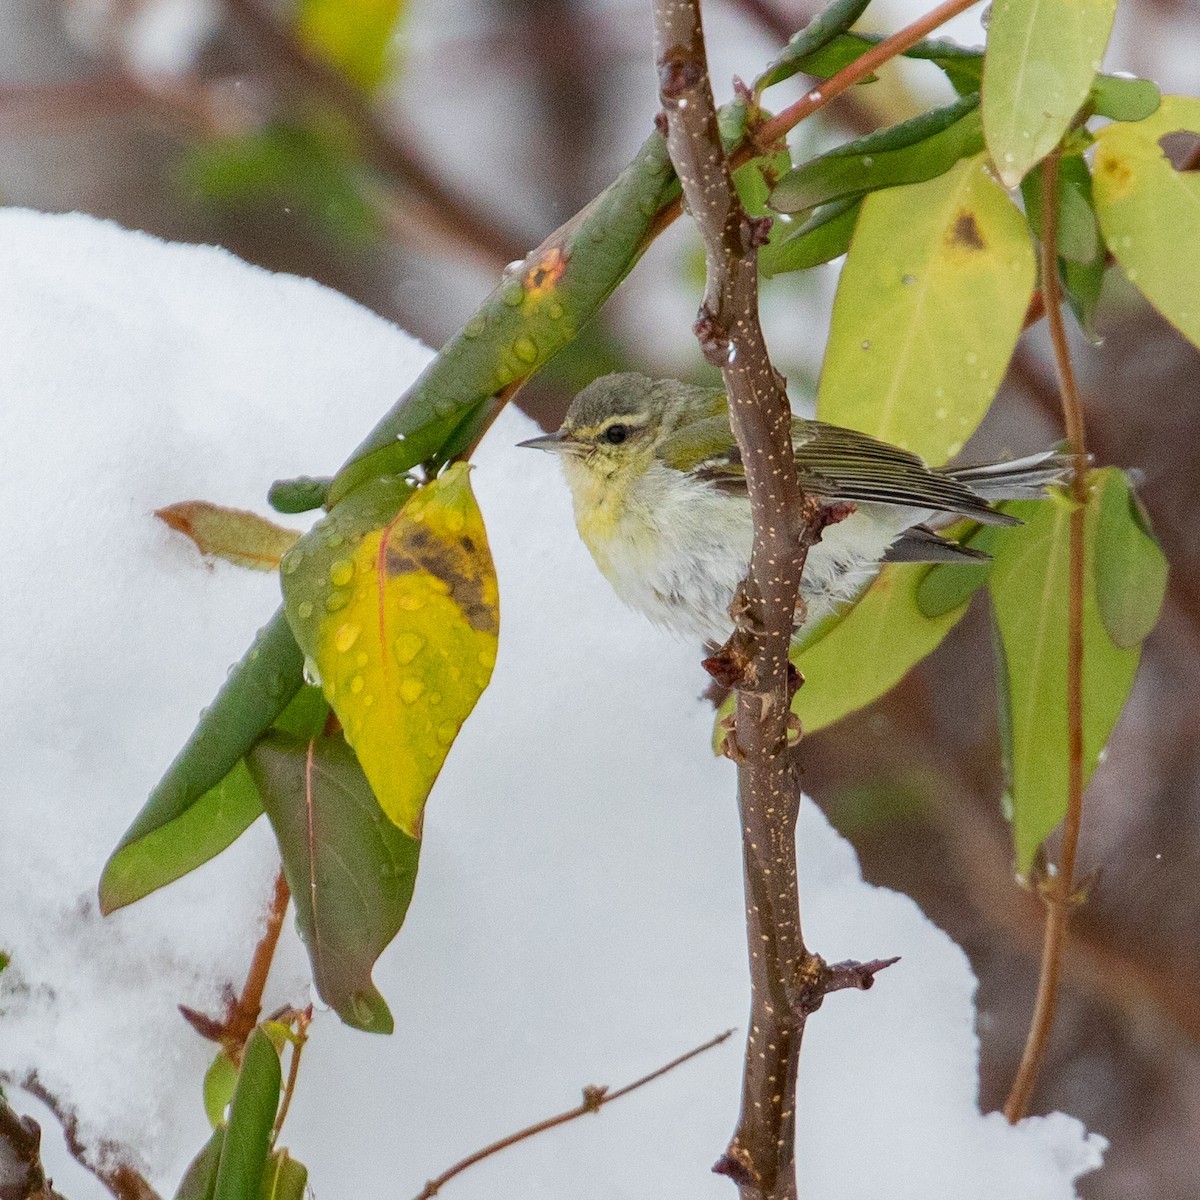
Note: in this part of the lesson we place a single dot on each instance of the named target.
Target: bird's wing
(921, 545)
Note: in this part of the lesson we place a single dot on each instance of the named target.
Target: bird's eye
(614, 435)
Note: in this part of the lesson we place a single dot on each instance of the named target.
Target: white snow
(578, 918)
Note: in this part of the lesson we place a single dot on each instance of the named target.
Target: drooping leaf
(242, 538)
(350, 870)
(200, 1179)
(855, 658)
(284, 1178)
(1150, 212)
(930, 304)
(822, 29)
(1041, 61)
(204, 828)
(1131, 569)
(352, 35)
(251, 1119)
(400, 614)
(537, 309)
(220, 1080)
(911, 152)
(1030, 588)
(824, 236)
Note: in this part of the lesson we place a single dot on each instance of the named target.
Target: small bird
(660, 500)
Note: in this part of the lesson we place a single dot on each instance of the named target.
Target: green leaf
(350, 870)
(1029, 585)
(1122, 99)
(536, 311)
(352, 35)
(1078, 233)
(251, 1121)
(242, 538)
(822, 29)
(946, 586)
(204, 801)
(302, 494)
(916, 150)
(1041, 61)
(930, 304)
(853, 659)
(1150, 212)
(200, 1179)
(284, 1178)
(1131, 569)
(307, 169)
(219, 1082)
(823, 237)
(394, 598)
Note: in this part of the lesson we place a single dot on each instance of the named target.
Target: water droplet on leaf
(407, 646)
(346, 636)
(341, 572)
(411, 689)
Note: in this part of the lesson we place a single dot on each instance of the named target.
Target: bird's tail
(1021, 479)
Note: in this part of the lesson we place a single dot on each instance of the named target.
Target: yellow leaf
(242, 538)
(402, 620)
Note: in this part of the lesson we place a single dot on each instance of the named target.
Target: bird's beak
(557, 442)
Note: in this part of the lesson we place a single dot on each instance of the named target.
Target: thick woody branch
(22, 1176)
(787, 981)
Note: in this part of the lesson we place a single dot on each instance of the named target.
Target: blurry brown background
(498, 119)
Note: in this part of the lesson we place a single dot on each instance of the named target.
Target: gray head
(628, 408)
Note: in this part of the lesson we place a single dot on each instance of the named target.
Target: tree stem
(1058, 892)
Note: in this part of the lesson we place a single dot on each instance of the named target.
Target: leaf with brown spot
(394, 598)
(239, 537)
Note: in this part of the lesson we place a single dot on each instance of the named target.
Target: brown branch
(442, 207)
(110, 1164)
(1058, 891)
(242, 1012)
(22, 1176)
(594, 1099)
(788, 982)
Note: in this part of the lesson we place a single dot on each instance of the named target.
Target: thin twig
(302, 1019)
(122, 1180)
(1058, 891)
(594, 1098)
(788, 981)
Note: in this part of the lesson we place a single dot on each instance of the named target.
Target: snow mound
(578, 917)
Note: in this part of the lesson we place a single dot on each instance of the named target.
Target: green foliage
(297, 167)
(243, 1158)
(928, 310)
(350, 870)
(219, 1082)
(824, 236)
(1030, 589)
(916, 150)
(1042, 58)
(1150, 212)
(797, 55)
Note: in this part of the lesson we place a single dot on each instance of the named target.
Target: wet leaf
(836, 18)
(1078, 233)
(1041, 61)
(1131, 569)
(946, 586)
(350, 870)
(242, 538)
(930, 304)
(911, 152)
(823, 237)
(1122, 99)
(200, 1178)
(1029, 588)
(1150, 212)
(202, 829)
(251, 1121)
(284, 1178)
(400, 614)
(854, 659)
(353, 35)
(298, 495)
